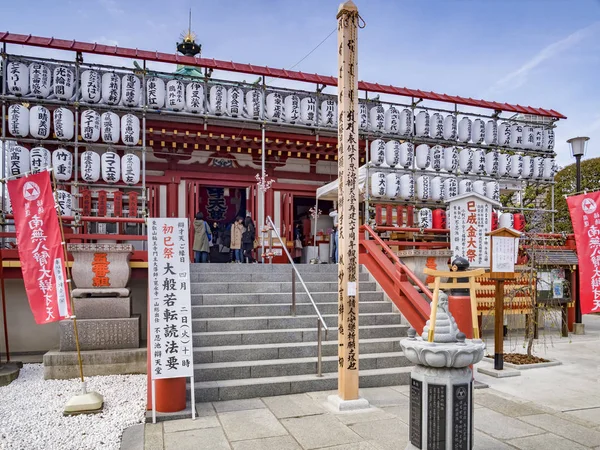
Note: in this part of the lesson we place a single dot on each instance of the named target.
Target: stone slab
(101, 292)
(205, 409)
(64, 365)
(505, 373)
(296, 405)
(501, 427)
(101, 334)
(102, 307)
(8, 373)
(238, 405)
(335, 402)
(505, 406)
(320, 431)
(547, 440)
(153, 436)
(252, 424)
(133, 438)
(272, 443)
(165, 417)
(390, 430)
(564, 428)
(209, 438)
(173, 426)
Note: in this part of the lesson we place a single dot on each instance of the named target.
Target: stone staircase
(247, 343)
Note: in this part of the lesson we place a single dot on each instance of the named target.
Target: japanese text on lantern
(170, 301)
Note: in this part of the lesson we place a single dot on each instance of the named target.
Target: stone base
(9, 372)
(504, 373)
(102, 292)
(578, 328)
(102, 307)
(64, 365)
(101, 334)
(340, 405)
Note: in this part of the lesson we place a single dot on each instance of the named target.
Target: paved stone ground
(555, 407)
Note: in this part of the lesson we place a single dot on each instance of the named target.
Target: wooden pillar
(499, 326)
(348, 163)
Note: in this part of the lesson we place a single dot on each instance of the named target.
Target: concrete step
(257, 337)
(294, 366)
(215, 277)
(280, 309)
(264, 268)
(270, 287)
(288, 350)
(211, 391)
(271, 298)
(286, 322)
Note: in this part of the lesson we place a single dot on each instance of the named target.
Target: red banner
(585, 216)
(86, 202)
(133, 204)
(40, 247)
(102, 199)
(118, 203)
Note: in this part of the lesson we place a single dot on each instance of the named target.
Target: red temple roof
(100, 49)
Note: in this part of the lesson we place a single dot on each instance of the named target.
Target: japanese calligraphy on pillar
(348, 202)
(169, 297)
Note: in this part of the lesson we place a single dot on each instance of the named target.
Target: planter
(97, 266)
(550, 363)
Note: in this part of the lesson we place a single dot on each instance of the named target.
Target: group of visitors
(238, 240)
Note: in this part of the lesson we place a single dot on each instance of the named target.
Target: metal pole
(577, 280)
(75, 187)
(3, 146)
(144, 193)
(293, 291)
(315, 227)
(553, 210)
(499, 326)
(262, 191)
(319, 350)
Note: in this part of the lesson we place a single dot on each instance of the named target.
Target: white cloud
(112, 7)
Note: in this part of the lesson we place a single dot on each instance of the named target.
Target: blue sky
(543, 53)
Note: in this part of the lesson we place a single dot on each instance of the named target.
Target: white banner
(170, 306)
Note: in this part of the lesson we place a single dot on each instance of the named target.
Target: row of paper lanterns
(428, 219)
(64, 200)
(492, 163)
(94, 126)
(110, 165)
(394, 186)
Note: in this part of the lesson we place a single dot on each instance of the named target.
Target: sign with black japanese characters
(460, 416)
(416, 412)
(436, 417)
(170, 301)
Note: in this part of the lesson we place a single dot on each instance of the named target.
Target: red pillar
(460, 308)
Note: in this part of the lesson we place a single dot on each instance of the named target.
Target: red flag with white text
(40, 247)
(585, 216)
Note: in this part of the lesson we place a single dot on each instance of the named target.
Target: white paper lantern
(18, 161)
(549, 139)
(110, 127)
(465, 186)
(548, 168)
(392, 182)
(425, 218)
(176, 95)
(392, 120)
(131, 88)
(437, 156)
(422, 124)
(275, 107)
(65, 203)
(528, 167)
(506, 220)
(437, 189)
(407, 154)
(464, 129)
(39, 159)
(217, 100)
(62, 163)
(18, 120)
(254, 104)
(538, 138)
(479, 187)
(130, 129)
(423, 158)
(450, 159)
(392, 153)
(40, 80)
(378, 185)
(155, 92)
(130, 169)
(64, 83)
(39, 122)
(504, 164)
(90, 166)
(235, 102)
(292, 108)
(90, 126)
(377, 118)
(423, 188)
(308, 111)
(465, 160)
(17, 78)
(450, 127)
(377, 152)
(528, 137)
(329, 112)
(516, 136)
(492, 162)
(437, 126)
(406, 122)
(64, 124)
(538, 167)
(491, 132)
(407, 187)
(90, 86)
(478, 131)
(516, 166)
(450, 188)
(111, 167)
(504, 134)
(111, 88)
(492, 190)
(194, 98)
(363, 116)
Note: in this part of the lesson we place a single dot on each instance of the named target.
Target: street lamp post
(578, 148)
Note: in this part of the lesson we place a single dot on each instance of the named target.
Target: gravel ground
(31, 412)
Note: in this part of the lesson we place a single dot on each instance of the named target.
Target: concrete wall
(25, 336)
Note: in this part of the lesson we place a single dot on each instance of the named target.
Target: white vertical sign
(503, 256)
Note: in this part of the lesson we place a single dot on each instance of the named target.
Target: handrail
(320, 321)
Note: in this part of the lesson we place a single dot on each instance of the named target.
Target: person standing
(237, 230)
(202, 238)
(336, 253)
(248, 239)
